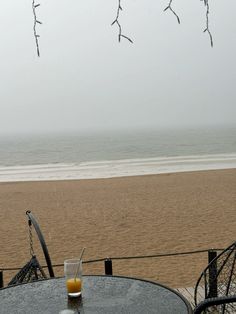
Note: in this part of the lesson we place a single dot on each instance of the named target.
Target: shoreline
(116, 168)
(123, 216)
(54, 180)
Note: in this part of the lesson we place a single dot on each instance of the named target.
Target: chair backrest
(32, 270)
(32, 220)
(217, 305)
(219, 278)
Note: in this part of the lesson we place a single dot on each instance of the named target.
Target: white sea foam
(116, 168)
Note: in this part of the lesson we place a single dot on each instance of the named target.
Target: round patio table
(100, 295)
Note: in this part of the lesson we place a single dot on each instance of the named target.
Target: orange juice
(74, 286)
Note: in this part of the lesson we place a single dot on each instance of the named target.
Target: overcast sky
(85, 79)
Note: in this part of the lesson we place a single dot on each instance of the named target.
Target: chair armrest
(214, 301)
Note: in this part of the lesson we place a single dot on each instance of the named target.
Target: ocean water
(115, 153)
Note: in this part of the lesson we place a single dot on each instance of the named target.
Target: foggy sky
(85, 79)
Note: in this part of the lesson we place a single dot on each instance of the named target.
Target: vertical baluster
(1, 279)
(212, 274)
(108, 266)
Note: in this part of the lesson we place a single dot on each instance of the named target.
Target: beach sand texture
(128, 216)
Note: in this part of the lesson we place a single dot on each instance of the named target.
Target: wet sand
(128, 216)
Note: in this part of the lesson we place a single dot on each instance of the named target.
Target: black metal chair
(215, 305)
(32, 270)
(215, 291)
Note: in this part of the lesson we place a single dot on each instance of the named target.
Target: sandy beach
(139, 215)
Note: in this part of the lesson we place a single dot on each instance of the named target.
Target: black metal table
(101, 295)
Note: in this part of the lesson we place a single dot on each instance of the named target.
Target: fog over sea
(115, 153)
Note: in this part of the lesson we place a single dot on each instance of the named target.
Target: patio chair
(215, 291)
(32, 270)
(216, 305)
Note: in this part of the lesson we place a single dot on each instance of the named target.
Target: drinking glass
(73, 276)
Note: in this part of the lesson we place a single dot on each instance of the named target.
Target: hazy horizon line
(102, 130)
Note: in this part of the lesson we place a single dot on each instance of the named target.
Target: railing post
(108, 266)
(1, 279)
(212, 274)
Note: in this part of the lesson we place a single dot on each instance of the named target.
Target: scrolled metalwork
(219, 280)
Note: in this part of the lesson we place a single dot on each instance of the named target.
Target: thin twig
(116, 21)
(169, 7)
(36, 21)
(207, 30)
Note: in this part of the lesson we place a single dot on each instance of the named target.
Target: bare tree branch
(169, 7)
(116, 21)
(207, 30)
(36, 21)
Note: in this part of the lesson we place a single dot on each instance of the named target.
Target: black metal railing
(108, 266)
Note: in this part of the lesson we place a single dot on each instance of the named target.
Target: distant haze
(86, 80)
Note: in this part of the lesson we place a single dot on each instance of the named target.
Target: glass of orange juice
(73, 276)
